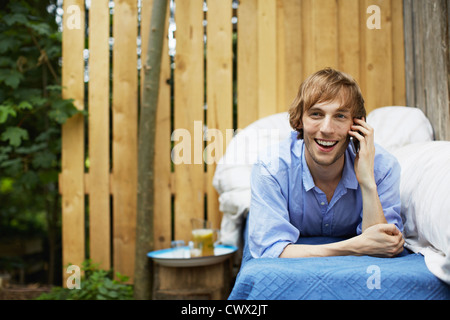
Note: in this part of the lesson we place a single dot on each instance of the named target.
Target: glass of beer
(204, 237)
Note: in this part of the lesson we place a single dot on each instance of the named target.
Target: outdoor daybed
(422, 271)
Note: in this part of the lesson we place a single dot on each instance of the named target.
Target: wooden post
(162, 174)
(146, 152)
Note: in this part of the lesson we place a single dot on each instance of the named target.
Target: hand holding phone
(363, 135)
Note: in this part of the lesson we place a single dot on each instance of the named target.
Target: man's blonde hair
(327, 85)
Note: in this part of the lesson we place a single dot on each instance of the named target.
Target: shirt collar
(348, 179)
(308, 181)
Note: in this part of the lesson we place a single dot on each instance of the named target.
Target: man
(317, 186)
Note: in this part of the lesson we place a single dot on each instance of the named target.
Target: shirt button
(326, 225)
(322, 203)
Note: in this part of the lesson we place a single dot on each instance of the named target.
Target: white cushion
(396, 127)
(425, 197)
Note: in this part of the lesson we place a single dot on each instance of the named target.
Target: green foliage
(96, 284)
(31, 113)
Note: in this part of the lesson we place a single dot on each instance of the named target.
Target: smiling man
(317, 186)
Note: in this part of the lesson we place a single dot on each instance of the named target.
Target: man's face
(325, 132)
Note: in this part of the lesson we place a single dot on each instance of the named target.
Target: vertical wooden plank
(162, 196)
(377, 69)
(308, 48)
(363, 48)
(219, 94)
(281, 55)
(419, 44)
(73, 236)
(409, 53)
(398, 54)
(436, 61)
(124, 135)
(99, 204)
(267, 57)
(349, 45)
(247, 65)
(289, 55)
(189, 93)
(442, 9)
(325, 27)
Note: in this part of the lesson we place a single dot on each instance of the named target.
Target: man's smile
(326, 145)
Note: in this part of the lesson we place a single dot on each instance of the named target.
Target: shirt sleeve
(270, 230)
(388, 187)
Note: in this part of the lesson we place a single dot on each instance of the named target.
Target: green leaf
(11, 77)
(15, 135)
(43, 160)
(6, 185)
(113, 295)
(103, 291)
(63, 110)
(8, 43)
(6, 111)
(41, 28)
(31, 149)
(25, 105)
(37, 101)
(13, 18)
(46, 135)
(29, 179)
(7, 62)
(54, 87)
(122, 278)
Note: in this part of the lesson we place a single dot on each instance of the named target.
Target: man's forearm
(372, 210)
(382, 240)
(341, 248)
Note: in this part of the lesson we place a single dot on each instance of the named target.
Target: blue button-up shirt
(287, 205)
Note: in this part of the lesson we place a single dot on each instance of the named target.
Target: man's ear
(299, 129)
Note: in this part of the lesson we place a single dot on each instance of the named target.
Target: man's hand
(381, 240)
(364, 161)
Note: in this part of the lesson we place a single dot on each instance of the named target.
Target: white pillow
(425, 197)
(396, 127)
(232, 175)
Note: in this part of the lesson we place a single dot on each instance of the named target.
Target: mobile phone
(355, 142)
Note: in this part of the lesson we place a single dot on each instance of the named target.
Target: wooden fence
(279, 43)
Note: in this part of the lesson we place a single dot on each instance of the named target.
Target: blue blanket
(351, 278)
